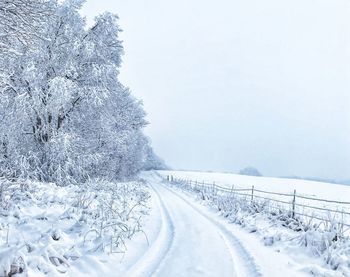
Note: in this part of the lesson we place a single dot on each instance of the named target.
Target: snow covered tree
(250, 171)
(20, 21)
(152, 161)
(65, 115)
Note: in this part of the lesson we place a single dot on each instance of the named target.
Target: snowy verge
(48, 230)
(319, 251)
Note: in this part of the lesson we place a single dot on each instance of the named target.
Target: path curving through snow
(190, 242)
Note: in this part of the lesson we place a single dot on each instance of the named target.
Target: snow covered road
(191, 243)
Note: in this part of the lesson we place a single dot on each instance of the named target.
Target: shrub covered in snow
(45, 228)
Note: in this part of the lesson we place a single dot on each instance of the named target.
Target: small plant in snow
(46, 227)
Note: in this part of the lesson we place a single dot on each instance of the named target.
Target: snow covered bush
(44, 228)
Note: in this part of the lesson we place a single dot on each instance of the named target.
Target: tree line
(64, 114)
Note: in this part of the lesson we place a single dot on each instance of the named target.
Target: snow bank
(46, 229)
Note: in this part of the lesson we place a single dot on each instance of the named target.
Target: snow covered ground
(303, 245)
(281, 185)
(309, 194)
(47, 230)
(152, 227)
(195, 241)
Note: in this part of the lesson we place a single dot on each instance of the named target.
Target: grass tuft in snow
(45, 229)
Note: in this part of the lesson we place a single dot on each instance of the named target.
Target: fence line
(293, 203)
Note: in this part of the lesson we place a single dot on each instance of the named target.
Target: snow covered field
(324, 202)
(195, 241)
(83, 193)
(314, 250)
(152, 227)
(281, 185)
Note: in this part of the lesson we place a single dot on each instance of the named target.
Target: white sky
(231, 83)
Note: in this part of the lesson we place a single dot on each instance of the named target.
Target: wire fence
(324, 211)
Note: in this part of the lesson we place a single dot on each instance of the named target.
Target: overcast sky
(231, 83)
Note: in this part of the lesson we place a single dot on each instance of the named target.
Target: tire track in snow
(148, 264)
(244, 263)
(166, 256)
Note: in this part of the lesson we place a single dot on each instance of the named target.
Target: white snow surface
(179, 235)
(303, 188)
(48, 230)
(281, 185)
(312, 251)
(195, 241)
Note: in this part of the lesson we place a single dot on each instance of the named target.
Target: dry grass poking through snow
(45, 228)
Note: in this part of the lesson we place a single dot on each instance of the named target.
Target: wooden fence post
(232, 190)
(293, 203)
(252, 194)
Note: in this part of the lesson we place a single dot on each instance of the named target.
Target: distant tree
(250, 171)
(153, 162)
